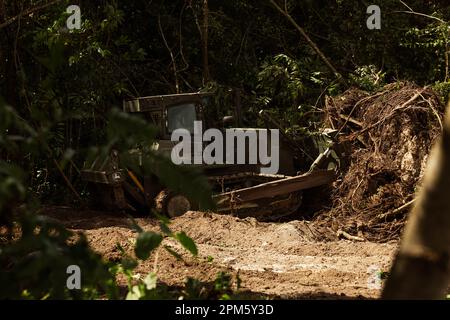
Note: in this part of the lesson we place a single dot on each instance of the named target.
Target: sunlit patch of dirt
(275, 259)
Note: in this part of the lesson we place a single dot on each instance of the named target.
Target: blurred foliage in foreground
(35, 251)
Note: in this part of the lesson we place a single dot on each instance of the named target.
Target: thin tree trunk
(309, 41)
(205, 26)
(421, 267)
(172, 57)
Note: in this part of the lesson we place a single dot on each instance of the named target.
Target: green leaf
(162, 218)
(174, 253)
(134, 226)
(128, 264)
(146, 242)
(165, 228)
(186, 242)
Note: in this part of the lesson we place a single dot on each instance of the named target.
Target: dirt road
(277, 259)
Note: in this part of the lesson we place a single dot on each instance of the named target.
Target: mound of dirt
(389, 135)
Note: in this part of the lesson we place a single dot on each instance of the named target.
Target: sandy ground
(275, 259)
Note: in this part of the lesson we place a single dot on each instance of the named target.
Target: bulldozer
(239, 189)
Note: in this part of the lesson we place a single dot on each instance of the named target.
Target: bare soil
(280, 260)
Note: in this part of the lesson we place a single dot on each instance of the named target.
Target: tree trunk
(421, 267)
(205, 26)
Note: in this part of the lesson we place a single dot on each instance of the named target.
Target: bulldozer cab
(170, 112)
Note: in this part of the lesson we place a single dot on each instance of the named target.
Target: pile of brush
(389, 135)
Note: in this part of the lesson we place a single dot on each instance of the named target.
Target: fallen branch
(395, 212)
(343, 234)
(434, 111)
(350, 119)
